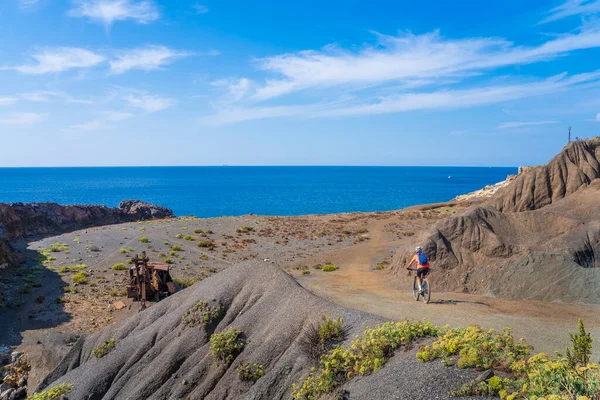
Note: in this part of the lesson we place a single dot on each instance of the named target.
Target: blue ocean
(226, 191)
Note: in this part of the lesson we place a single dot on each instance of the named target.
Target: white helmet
(419, 249)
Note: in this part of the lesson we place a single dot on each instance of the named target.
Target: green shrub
(203, 314)
(122, 250)
(176, 248)
(185, 282)
(58, 247)
(178, 236)
(104, 348)
(144, 239)
(166, 243)
(245, 229)
(207, 244)
(322, 337)
(118, 293)
(331, 329)
(168, 261)
(54, 393)
(329, 267)
(539, 376)
(382, 265)
(188, 237)
(76, 239)
(305, 272)
(80, 277)
(119, 267)
(366, 354)
(226, 345)
(198, 230)
(250, 372)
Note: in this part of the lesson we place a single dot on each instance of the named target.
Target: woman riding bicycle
(420, 260)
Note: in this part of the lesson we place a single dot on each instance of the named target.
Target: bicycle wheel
(415, 290)
(426, 291)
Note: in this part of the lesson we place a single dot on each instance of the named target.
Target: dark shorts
(422, 272)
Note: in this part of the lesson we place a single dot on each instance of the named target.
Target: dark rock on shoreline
(19, 220)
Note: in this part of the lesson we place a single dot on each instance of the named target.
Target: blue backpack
(423, 259)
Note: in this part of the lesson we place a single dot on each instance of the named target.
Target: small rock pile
(15, 370)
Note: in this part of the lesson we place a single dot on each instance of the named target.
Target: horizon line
(261, 166)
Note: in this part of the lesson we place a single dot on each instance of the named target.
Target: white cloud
(147, 59)
(59, 59)
(573, 8)
(109, 11)
(21, 119)
(598, 117)
(236, 89)
(200, 9)
(521, 124)
(6, 101)
(149, 103)
(435, 100)
(45, 96)
(28, 4)
(104, 121)
(408, 58)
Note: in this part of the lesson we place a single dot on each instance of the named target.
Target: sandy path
(357, 285)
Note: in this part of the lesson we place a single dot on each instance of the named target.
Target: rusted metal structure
(149, 280)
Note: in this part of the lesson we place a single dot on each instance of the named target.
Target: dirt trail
(357, 285)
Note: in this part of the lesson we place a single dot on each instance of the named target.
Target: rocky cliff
(575, 166)
(537, 238)
(18, 220)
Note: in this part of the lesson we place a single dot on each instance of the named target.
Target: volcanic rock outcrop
(18, 220)
(158, 356)
(538, 238)
(576, 166)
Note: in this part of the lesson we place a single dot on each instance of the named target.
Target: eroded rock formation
(18, 220)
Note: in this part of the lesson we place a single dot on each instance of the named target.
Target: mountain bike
(425, 294)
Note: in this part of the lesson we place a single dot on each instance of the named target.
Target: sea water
(223, 191)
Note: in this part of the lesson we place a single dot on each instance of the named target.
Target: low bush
(366, 354)
(119, 267)
(185, 282)
(188, 237)
(329, 267)
(250, 372)
(305, 272)
(54, 393)
(202, 313)
(207, 244)
(245, 229)
(118, 293)
(572, 376)
(58, 247)
(122, 251)
(105, 348)
(198, 230)
(178, 236)
(80, 277)
(322, 337)
(226, 345)
(176, 247)
(144, 239)
(382, 265)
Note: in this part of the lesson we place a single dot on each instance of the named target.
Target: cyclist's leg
(419, 275)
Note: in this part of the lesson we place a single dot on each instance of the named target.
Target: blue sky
(129, 82)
